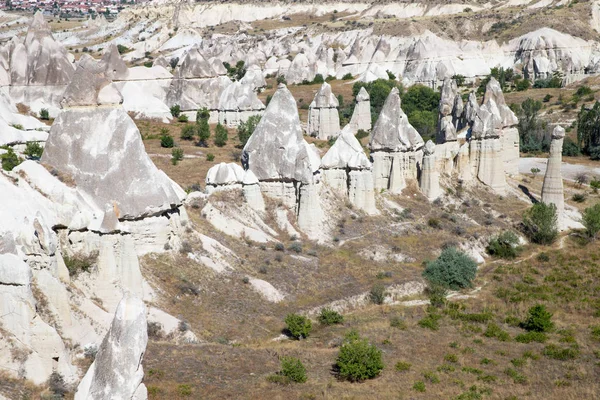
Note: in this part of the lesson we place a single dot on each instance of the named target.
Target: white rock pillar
(430, 177)
(552, 189)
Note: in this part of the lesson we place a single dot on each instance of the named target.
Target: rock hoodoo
(323, 116)
(361, 116)
(450, 112)
(237, 103)
(347, 169)
(552, 189)
(117, 371)
(430, 177)
(395, 147)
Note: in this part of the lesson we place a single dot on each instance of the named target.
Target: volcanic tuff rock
(361, 116)
(277, 150)
(116, 68)
(450, 112)
(237, 103)
(430, 177)
(117, 371)
(91, 85)
(552, 189)
(323, 116)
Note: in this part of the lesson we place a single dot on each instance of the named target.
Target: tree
(459, 79)
(452, 269)
(33, 150)
(203, 113)
(505, 245)
(591, 221)
(531, 131)
(10, 160)
(167, 141)
(358, 359)
(173, 62)
(298, 326)
(378, 91)
(540, 223)
(188, 132)
(318, 79)
(391, 75)
(425, 122)
(588, 129)
(44, 114)
(246, 129)
(538, 319)
(175, 110)
(203, 132)
(220, 135)
(176, 155)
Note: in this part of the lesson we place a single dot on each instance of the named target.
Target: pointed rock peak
(362, 95)
(558, 132)
(325, 98)
(90, 85)
(281, 86)
(494, 100)
(194, 65)
(38, 23)
(429, 148)
(447, 99)
(392, 131)
(346, 152)
(494, 91)
(277, 150)
(116, 67)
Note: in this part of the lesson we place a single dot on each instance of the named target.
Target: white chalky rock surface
(552, 189)
(323, 116)
(430, 177)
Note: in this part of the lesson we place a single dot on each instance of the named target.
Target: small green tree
(176, 155)
(246, 129)
(188, 132)
(44, 114)
(505, 245)
(220, 135)
(538, 319)
(203, 132)
(298, 326)
(452, 269)
(182, 118)
(167, 141)
(358, 359)
(33, 150)
(318, 79)
(591, 221)
(347, 77)
(327, 316)
(10, 160)
(175, 110)
(540, 223)
(203, 113)
(293, 369)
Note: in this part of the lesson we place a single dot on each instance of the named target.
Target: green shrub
(578, 197)
(403, 366)
(203, 131)
(505, 245)
(538, 319)
(452, 269)
(397, 322)
(10, 160)
(33, 150)
(570, 148)
(591, 221)
(184, 390)
(472, 370)
(358, 359)
(437, 294)
(167, 141)
(431, 377)
(175, 110)
(220, 136)
(540, 223)
(292, 369)
(450, 357)
(298, 326)
(210, 157)
(446, 368)
(361, 134)
(328, 316)
(245, 129)
(377, 294)
(419, 386)
(560, 353)
(188, 132)
(347, 77)
(77, 263)
(295, 247)
(44, 114)
(123, 49)
(182, 118)
(532, 336)
(516, 375)
(431, 321)
(595, 332)
(176, 155)
(494, 331)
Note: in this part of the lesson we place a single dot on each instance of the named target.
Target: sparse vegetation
(33, 150)
(176, 155)
(77, 263)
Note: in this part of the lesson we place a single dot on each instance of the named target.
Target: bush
(295, 247)
(570, 148)
(529, 337)
(377, 294)
(33, 150)
(173, 62)
(505, 245)
(547, 98)
(175, 111)
(203, 131)
(188, 132)
(437, 294)
(431, 321)
(57, 385)
(578, 197)
(182, 118)
(419, 386)
(560, 353)
(494, 331)
(328, 316)
(220, 136)
(292, 370)
(210, 157)
(538, 319)
(167, 141)
(298, 326)
(318, 79)
(347, 77)
(10, 160)
(79, 263)
(591, 221)
(44, 114)
(361, 134)
(358, 359)
(202, 113)
(246, 129)
(540, 223)
(452, 269)
(176, 155)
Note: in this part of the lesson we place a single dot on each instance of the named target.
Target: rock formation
(237, 103)
(552, 190)
(347, 169)
(284, 164)
(361, 116)
(323, 116)
(302, 68)
(429, 182)
(450, 112)
(117, 371)
(395, 147)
